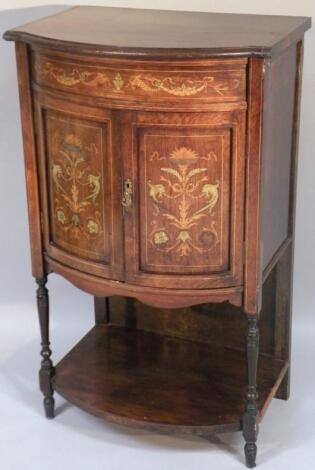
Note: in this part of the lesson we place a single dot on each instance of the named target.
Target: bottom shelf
(164, 383)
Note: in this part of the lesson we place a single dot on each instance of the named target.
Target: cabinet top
(157, 33)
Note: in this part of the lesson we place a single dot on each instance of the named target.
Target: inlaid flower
(92, 227)
(160, 237)
(61, 217)
(156, 191)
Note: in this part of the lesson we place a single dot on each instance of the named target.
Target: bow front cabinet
(160, 153)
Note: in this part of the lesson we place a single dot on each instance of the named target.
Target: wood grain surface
(158, 33)
(133, 377)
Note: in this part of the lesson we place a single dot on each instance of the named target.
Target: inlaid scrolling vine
(184, 183)
(77, 189)
(115, 82)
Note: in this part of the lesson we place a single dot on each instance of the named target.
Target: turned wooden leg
(250, 418)
(101, 309)
(47, 370)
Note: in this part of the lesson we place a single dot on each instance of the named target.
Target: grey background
(22, 426)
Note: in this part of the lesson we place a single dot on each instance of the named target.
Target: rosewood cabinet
(160, 152)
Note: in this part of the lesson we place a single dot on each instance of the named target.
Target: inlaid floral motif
(76, 189)
(186, 182)
(110, 81)
(179, 86)
(74, 76)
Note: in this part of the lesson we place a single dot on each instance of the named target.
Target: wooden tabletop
(125, 31)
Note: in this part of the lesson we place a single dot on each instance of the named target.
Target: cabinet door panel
(188, 193)
(184, 195)
(79, 194)
(76, 182)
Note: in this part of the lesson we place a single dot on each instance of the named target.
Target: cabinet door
(185, 226)
(81, 207)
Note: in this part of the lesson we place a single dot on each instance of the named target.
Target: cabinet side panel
(277, 149)
(284, 267)
(31, 174)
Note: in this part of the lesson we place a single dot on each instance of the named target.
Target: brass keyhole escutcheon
(127, 194)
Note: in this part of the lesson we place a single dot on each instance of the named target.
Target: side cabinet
(161, 153)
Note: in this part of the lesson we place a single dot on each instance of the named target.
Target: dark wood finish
(276, 257)
(283, 316)
(161, 160)
(128, 377)
(252, 267)
(131, 318)
(251, 415)
(157, 297)
(285, 265)
(219, 324)
(31, 165)
(47, 370)
(282, 260)
(276, 168)
(158, 33)
(101, 310)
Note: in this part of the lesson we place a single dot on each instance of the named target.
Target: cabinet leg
(101, 309)
(47, 371)
(251, 415)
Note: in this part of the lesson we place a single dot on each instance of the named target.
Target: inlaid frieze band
(97, 80)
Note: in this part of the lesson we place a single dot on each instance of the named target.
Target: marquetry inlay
(184, 200)
(185, 182)
(76, 185)
(71, 175)
(100, 81)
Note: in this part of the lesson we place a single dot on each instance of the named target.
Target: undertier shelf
(163, 383)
